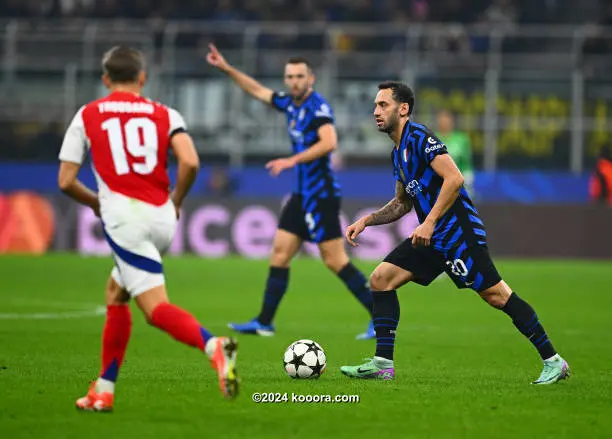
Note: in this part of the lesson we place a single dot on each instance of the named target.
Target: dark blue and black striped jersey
(315, 179)
(461, 226)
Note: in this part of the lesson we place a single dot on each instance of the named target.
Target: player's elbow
(191, 164)
(194, 164)
(458, 181)
(65, 182)
(328, 146)
(262, 94)
(193, 167)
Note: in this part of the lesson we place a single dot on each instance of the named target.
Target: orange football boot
(96, 402)
(222, 353)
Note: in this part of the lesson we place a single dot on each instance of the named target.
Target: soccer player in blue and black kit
(312, 212)
(451, 237)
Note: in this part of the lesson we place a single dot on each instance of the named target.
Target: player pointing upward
(451, 238)
(128, 137)
(312, 213)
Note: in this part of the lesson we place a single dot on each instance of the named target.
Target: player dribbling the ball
(451, 237)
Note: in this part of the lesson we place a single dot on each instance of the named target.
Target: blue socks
(527, 322)
(278, 279)
(357, 283)
(386, 318)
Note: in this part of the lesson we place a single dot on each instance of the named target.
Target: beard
(300, 94)
(390, 125)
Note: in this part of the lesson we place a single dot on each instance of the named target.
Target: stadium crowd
(496, 11)
(32, 140)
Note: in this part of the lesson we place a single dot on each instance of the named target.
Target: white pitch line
(98, 311)
(26, 301)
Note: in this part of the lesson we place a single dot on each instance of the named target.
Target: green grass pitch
(462, 370)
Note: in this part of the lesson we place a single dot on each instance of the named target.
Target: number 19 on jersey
(140, 134)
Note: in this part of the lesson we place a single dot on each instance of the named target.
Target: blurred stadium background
(528, 81)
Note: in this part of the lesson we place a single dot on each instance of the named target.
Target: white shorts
(138, 234)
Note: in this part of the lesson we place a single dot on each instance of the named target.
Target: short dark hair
(299, 60)
(400, 92)
(123, 64)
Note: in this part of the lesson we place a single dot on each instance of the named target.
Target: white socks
(383, 363)
(555, 357)
(210, 346)
(105, 386)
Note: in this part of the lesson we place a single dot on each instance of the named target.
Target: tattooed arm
(399, 206)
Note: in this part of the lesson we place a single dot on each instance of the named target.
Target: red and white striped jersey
(128, 137)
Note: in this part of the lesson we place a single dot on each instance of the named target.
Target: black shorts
(321, 223)
(471, 267)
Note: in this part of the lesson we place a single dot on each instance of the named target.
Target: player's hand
(177, 206)
(279, 165)
(215, 58)
(177, 209)
(354, 230)
(422, 234)
(96, 209)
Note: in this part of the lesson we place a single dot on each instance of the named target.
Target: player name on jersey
(128, 136)
(125, 107)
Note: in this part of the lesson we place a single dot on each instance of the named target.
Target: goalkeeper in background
(459, 147)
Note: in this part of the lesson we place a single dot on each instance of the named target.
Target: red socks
(115, 338)
(181, 325)
(118, 326)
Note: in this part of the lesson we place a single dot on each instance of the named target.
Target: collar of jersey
(125, 93)
(304, 102)
(403, 134)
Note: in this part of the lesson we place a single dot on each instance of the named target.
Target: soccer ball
(304, 359)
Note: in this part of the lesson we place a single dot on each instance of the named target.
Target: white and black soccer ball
(305, 359)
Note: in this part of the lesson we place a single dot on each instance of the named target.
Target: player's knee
(495, 298)
(147, 313)
(149, 300)
(115, 295)
(380, 281)
(334, 263)
(281, 256)
(148, 316)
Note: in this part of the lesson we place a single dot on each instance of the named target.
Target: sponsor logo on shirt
(413, 188)
(434, 148)
(323, 111)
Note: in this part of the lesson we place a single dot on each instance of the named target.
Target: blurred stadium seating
(528, 80)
